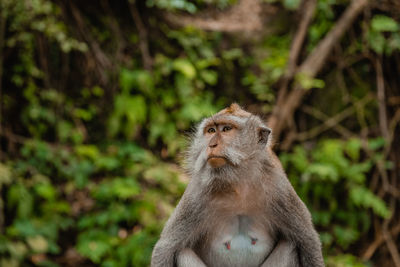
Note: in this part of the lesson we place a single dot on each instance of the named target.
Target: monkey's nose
(212, 145)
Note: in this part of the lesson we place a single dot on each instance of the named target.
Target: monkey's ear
(263, 135)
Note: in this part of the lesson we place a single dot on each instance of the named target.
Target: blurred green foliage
(383, 34)
(91, 177)
(332, 178)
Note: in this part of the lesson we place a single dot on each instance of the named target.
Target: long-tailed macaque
(239, 208)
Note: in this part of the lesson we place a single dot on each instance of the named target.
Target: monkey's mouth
(216, 161)
(216, 157)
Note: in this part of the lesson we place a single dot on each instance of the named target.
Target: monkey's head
(227, 140)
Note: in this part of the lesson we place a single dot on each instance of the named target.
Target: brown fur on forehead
(218, 120)
(236, 110)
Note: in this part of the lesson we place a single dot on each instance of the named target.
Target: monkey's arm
(178, 231)
(188, 258)
(294, 222)
(283, 255)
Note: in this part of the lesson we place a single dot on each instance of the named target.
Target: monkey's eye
(226, 128)
(211, 130)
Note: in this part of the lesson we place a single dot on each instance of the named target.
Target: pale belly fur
(240, 241)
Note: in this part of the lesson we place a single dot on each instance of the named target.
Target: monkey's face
(218, 136)
(225, 141)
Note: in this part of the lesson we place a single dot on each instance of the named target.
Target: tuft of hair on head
(236, 110)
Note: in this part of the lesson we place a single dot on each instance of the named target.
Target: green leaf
(125, 188)
(291, 4)
(323, 171)
(376, 143)
(376, 41)
(94, 245)
(9, 262)
(345, 235)
(345, 260)
(299, 159)
(209, 76)
(393, 43)
(89, 151)
(352, 148)
(381, 23)
(107, 163)
(172, 5)
(5, 174)
(136, 79)
(126, 80)
(326, 238)
(17, 249)
(20, 198)
(356, 172)
(38, 244)
(307, 82)
(185, 67)
(134, 153)
(122, 188)
(362, 196)
(232, 54)
(129, 113)
(46, 190)
(22, 228)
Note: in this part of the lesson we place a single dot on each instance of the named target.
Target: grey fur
(283, 255)
(186, 239)
(187, 257)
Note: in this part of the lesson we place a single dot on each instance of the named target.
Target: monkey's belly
(239, 243)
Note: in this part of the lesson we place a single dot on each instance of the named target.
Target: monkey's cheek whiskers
(200, 163)
(234, 157)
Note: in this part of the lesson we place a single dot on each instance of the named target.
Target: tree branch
(370, 251)
(103, 62)
(244, 16)
(2, 34)
(315, 61)
(143, 38)
(312, 65)
(380, 85)
(298, 40)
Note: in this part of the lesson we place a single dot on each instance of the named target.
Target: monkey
(239, 208)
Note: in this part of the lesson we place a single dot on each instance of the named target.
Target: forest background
(97, 98)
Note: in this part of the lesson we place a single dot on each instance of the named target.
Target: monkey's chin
(216, 162)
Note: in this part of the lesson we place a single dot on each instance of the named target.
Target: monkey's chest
(239, 241)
